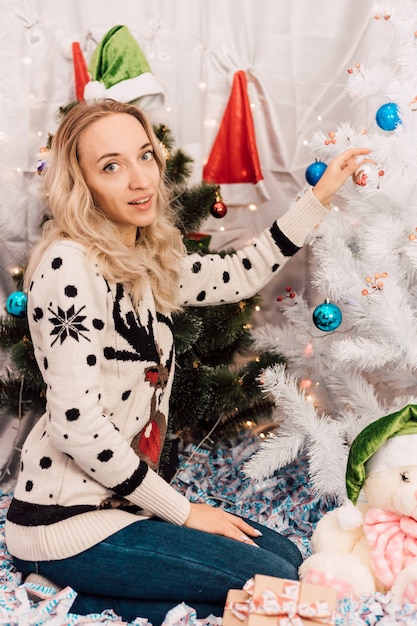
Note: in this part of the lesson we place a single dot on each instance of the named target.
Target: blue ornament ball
(327, 316)
(16, 304)
(314, 172)
(387, 116)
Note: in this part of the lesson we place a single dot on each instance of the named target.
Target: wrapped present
(270, 601)
(236, 609)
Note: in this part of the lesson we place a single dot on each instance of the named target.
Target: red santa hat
(234, 155)
(81, 75)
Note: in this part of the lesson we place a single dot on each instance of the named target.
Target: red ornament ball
(219, 209)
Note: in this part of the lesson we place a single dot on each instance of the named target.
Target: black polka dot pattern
(230, 281)
(45, 462)
(93, 319)
(72, 414)
(70, 291)
(56, 263)
(105, 456)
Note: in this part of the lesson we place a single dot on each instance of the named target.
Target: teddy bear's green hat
(380, 447)
(120, 70)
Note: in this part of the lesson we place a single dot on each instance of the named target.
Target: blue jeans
(151, 566)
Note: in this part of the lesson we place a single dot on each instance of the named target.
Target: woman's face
(120, 169)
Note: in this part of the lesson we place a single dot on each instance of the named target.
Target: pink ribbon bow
(393, 542)
(285, 606)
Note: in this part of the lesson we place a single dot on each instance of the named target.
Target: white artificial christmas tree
(364, 261)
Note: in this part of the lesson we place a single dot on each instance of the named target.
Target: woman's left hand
(337, 172)
(214, 520)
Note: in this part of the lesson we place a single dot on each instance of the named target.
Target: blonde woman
(90, 509)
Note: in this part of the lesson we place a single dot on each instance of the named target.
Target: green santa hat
(119, 70)
(390, 441)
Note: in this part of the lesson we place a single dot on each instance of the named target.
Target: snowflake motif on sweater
(68, 324)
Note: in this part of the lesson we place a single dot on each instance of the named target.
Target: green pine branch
(12, 329)
(193, 206)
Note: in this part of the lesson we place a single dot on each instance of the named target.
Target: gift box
(236, 598)
(270, 601)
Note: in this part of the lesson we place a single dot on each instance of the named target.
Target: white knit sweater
(89, 464)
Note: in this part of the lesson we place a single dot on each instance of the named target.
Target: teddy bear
(369, 543)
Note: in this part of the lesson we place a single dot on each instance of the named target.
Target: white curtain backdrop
(296, 54)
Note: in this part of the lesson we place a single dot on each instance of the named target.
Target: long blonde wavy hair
(74, 215)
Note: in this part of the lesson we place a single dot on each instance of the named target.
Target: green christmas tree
(216, 391)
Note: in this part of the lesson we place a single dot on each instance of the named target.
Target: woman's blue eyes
(113, 167)
(148, 154)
